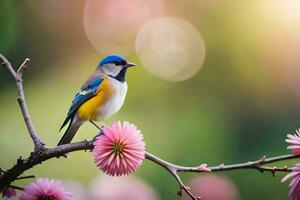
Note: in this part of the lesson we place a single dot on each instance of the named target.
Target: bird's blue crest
(112, 59)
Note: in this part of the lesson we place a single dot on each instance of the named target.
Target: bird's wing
(92, 80)
(88, 90)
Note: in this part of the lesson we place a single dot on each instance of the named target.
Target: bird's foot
(101, 132)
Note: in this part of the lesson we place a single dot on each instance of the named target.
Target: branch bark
(41, 153)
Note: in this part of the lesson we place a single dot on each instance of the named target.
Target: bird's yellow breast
(88, 110)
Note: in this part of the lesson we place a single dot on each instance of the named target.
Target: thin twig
(16, 187)
(23, 66)
(8, 66)
(25, 177)
(38, 145)
(183, 187)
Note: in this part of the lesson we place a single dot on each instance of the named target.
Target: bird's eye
(123, 62)
(118, 63)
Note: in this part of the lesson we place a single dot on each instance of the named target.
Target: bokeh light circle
(170, 48)
(121, 188)
(213, 188)
(111, 25)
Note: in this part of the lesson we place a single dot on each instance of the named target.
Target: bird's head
(115, 66)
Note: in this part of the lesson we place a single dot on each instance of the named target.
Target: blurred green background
(237, 108)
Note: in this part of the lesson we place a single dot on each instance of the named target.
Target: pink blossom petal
(288, 176)
(294, 141)
(293, 137)
(291, 141)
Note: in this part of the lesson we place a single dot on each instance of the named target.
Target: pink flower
(120, 188)
(8, 192)
(120, 150)
(294, 140)
(211, 187)
(295, 183)
(45, 189)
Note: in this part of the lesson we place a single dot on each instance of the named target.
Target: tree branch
(38, 145)
(34, 159)
(258, 164)
(41, 153)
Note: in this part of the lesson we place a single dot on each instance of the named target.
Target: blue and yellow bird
(101, 96)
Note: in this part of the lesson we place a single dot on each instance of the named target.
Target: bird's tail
(73, 127)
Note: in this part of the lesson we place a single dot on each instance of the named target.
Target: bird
(100, 97)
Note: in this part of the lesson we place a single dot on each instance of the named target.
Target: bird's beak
(129, 64)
